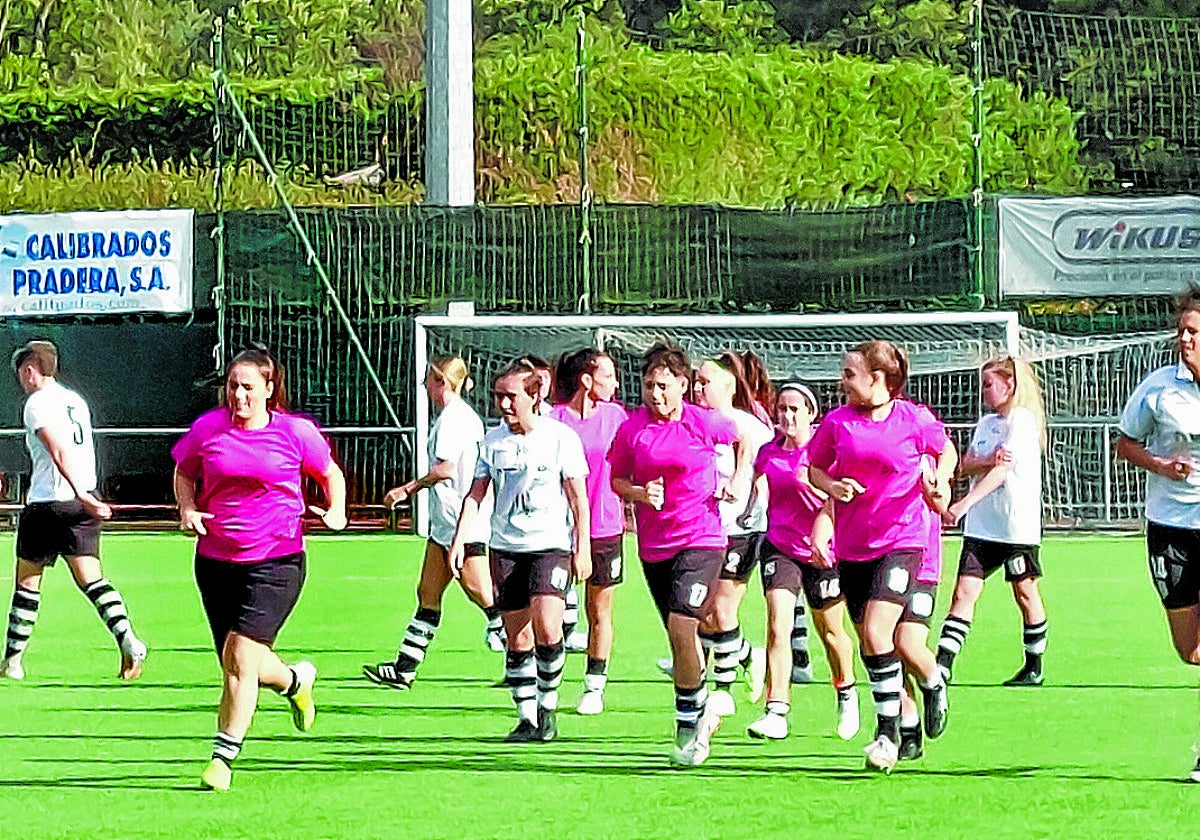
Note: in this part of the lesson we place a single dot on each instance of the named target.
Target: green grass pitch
(1101, 750)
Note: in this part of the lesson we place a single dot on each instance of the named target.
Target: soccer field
(1101, 749)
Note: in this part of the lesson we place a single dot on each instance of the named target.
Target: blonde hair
(1027, 391)
(453, 371)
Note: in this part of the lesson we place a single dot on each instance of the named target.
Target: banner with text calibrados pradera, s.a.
(96, 263)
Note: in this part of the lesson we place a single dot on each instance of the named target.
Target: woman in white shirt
(1003, 513)
(1160, 433)
(454, 442)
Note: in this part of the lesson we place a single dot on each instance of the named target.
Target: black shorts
(821, 587)
(47, 529)
(1174, 555)
(682, 584)
(741, 556)
(519, 575)
(979, 558)
(608, 563)
(253, 599)
(888, 578)
(475, 549)
(918, 609)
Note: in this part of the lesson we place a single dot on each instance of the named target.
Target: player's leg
(599, 603)
(476, 582)
(89, 577)
(967, 588)
(22, 615)
(419, 634)
(781, 607)
(1023, 570)
(546, 609)
(692, 574)
(829, 620)
(911, 743)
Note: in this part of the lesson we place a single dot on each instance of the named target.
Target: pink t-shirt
(930, 570)
(793, 504)
(683, 453)
(597, 433)
(885, 457)
(250, 481)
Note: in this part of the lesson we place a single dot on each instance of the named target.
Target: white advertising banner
(1080, 247)
(96, 263)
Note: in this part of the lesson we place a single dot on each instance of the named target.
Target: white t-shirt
(1163, 414)
(455, 436)
(64, 413)
(527, 471)
(756, 433)
(1012, 513)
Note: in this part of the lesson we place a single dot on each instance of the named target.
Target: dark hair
(568, 373)
(260, 356)
(527, 368)
(1186, 301)
(42, 354)
(663, 355)
(758, 379)
(888, 359)
(743, 395)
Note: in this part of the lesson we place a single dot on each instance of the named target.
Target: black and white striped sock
(596, 676)
(417, 638)
(727, 650)
(800, 657)
(689, 706)
(21, 618)
(107, 601)
(550, 659)
(520, 672)
(887, 682)
(954, 636)
(226, 748)
(1035, 638)
(570, 612)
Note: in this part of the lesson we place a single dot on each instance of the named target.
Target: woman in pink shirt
(788, 569)
(587, 383)
(866, 455)
(238, 479)
(664, 461)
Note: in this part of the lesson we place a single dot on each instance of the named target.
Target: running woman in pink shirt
(587, 382)
(788, 569)
(867, 456)
(238, 478)
(664, 462)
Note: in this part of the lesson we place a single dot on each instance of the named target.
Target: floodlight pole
(449, 105)
(585, 186)
(977, 150)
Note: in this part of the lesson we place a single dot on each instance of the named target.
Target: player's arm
(190, 519)
(333, 485)
(61, 456)
(1135, 452)
(758, 489)
(651, 493)
(937, 490)
(822, 537)
(841, 489)
(576, 493)
(466, 516)
(743, 470)
(441, 471)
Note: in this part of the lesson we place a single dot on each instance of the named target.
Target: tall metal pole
(585, 186)
(977, 149)
(218, 232)
(449, 105)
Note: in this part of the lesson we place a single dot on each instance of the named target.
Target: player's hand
(1176, 469)
(954, 514)
(335, 520)
(396, 495)
(656, 493)
(1001, 456)
(846, 490)
(822, 555)
(734, 490)
(455, 557)
(192, 521)
(581, 564)
(97, 508)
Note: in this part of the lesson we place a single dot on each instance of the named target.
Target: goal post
(945, 351)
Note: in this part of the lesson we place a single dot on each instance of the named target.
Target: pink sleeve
(932, 431)
(315, 456)
(721, 428)
(821, 453)
(620, 454)
(186, 450)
